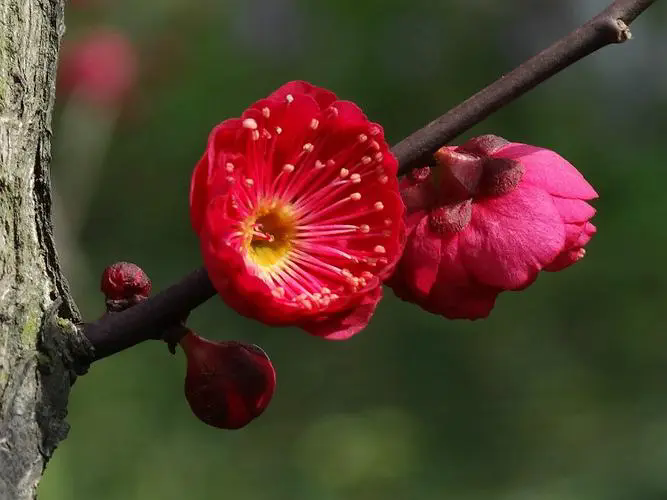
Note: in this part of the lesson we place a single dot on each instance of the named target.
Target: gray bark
(38, 340)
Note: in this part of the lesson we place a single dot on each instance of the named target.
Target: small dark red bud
(124, 284)
(228, 384)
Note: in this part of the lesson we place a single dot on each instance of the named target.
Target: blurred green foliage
(560, 395)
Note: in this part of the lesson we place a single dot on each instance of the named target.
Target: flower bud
(228, 384)
(491, 216)
(124, 284)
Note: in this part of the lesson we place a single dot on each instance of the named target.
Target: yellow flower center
(269, 235)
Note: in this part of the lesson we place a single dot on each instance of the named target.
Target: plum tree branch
(115, 332)
(608, 27)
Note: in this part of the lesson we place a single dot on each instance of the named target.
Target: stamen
(249, 123)
(259, 234)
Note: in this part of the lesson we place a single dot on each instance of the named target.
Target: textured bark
(38, 341)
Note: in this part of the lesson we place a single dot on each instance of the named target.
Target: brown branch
(608, 27)
(118, 331)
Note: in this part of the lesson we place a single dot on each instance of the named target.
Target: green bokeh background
(560, 395)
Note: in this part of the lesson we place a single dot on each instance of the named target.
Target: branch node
(623, 31)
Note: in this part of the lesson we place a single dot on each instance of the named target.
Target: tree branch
(118, 331)
(608, 27)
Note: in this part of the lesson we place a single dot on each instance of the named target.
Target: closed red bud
(124, 284)
(228, 384)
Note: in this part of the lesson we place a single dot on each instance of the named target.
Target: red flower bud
(124, 284)
(228, 384)
(489, 218)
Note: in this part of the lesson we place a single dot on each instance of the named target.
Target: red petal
(549, 171)
(512, 237)
(323, 97)
(421, 259)
(573, 210)
(347, 323)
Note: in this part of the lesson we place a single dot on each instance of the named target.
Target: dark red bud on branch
(124, 284)
(228, 384)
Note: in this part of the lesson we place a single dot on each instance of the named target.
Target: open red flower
(488, 217)
(298, 212)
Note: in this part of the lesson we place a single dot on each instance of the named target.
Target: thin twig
(115, 332)
(608, 27)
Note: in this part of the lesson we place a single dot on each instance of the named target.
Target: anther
(344, 173)
(314, 123)
(355, 178)
(250, 123)
(379, 206)
(379, 249)
(288, 167)
(356, 196)
(266, 112)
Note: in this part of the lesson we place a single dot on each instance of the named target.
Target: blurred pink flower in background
(100, 67)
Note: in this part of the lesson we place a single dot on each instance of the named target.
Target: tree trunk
(38, 341)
